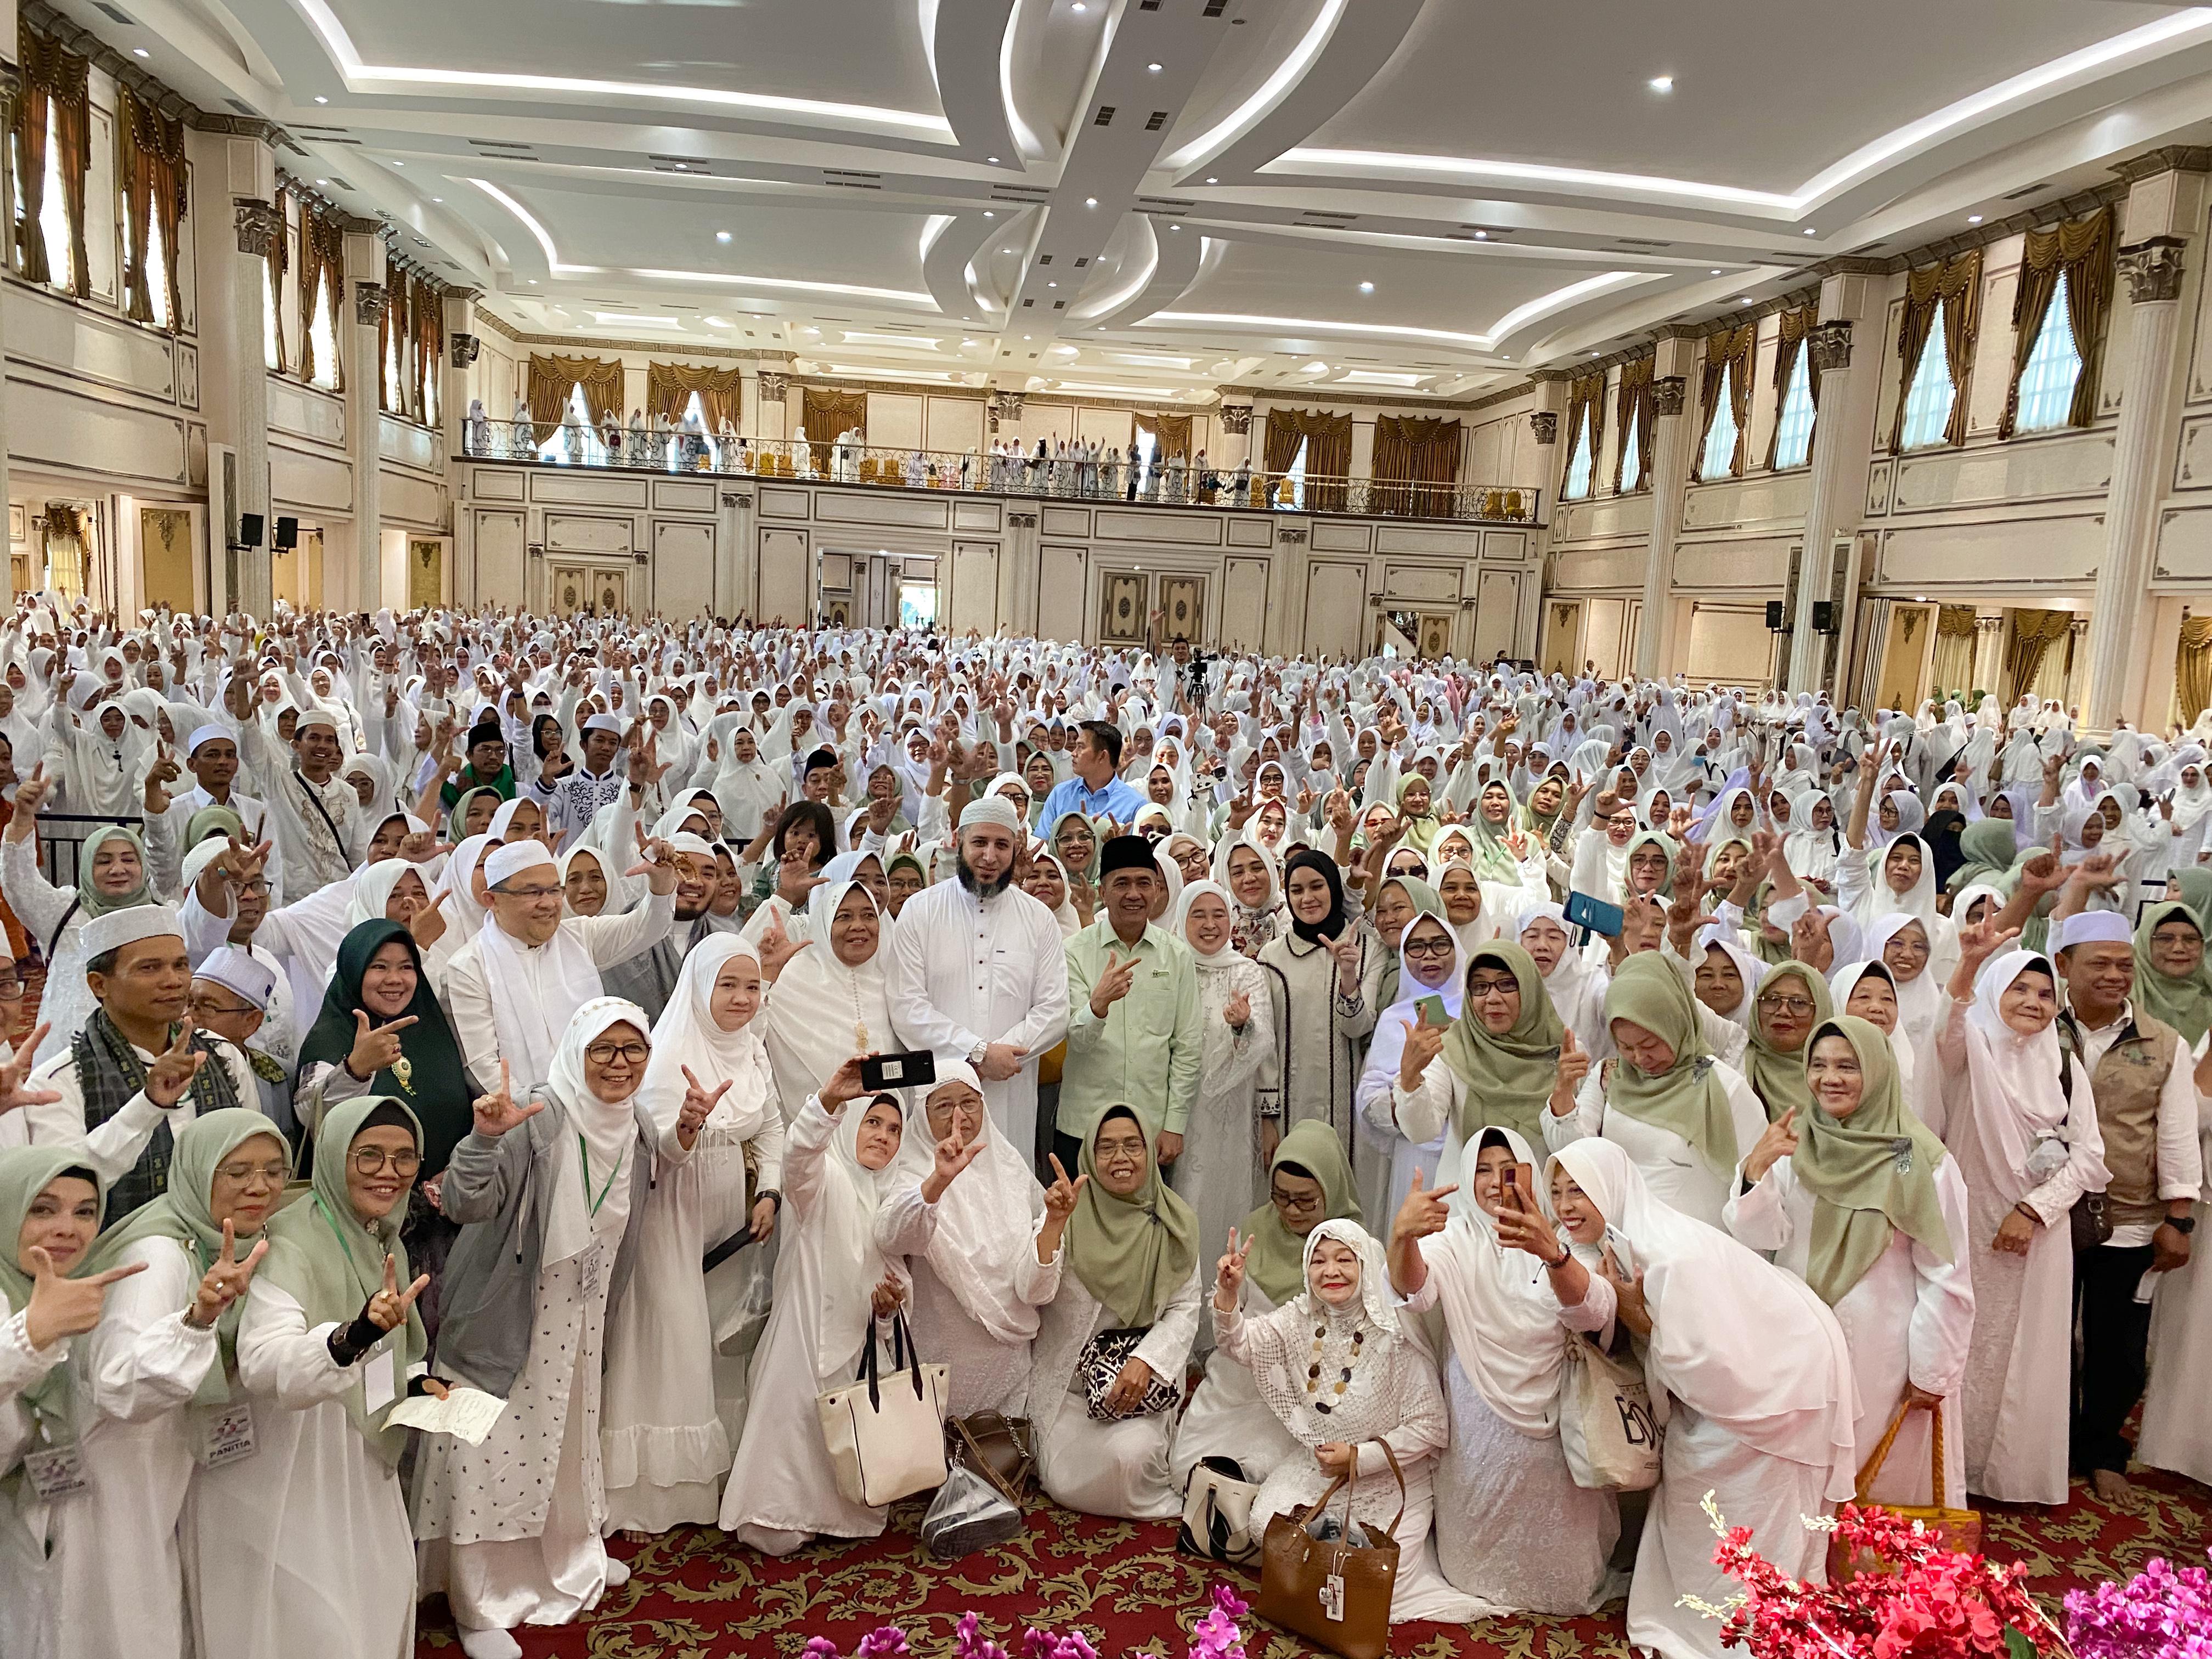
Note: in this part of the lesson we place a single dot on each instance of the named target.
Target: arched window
(1793, 432)
(2054, 364)
(1928, 400)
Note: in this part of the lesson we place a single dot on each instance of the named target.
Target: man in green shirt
(1132, 1029)
(486, 767)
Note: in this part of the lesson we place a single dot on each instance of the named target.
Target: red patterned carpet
(695, 1596)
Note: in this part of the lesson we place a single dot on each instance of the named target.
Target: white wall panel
(2008, 555)
(786, 577)
(59, 426)
(1244, 604)
(589, 532)
(502, 558)
(1729, 643)
(306, 412)
(412, 500)
(974, 600)
(1496, 611)
(297, 478)
(683, 568)
(579, 488)
(1061, 592)
(893, 419)
(41, 328)
(955, 424)
(1336, 608)
(2023, 470)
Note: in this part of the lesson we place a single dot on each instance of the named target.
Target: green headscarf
(1869, 1173)
(1089, 873)
(1771, 951)
(210, 820)
(2195, 885)
(25, 1172)
(2185, 1003)
(90, 901)
(1420, 833)
(1665, 843)
(1426, 902)
(1688, 1097)
(1509, 1078)
(1134, 1253)
(331, 1262)
(1541, 824)
(1277, 1262)
(184, 1213)
(456, 819)
(1493, 858)
(1987, 847)
(1777, 1075)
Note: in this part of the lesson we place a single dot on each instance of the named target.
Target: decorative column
(9, 89)
(1671, 436)
(1845, 391)
(365, 274)
(771, 426)
(1235, 436)
(259, 226)
(2152, 268)
(457, 309)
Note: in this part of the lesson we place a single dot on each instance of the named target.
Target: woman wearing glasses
(1790, 1000)
(1428, 975)
(549, 1192)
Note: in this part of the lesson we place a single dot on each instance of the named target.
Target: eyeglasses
(1119, 1151)
(1297, 1203)
(1492, 988)
(204, 1004)
(10, 989)
(1428, 947)
(527, 892)
(371, 1160)
(276, 1172)
(1778, 1004)
(256, 888)
(609, 1054)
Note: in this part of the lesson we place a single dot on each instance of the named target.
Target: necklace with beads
(1344, 1373)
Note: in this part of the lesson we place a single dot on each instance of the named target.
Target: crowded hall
(1065, 820)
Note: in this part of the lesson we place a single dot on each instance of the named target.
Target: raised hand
(953, 1154)
(16, 1087)
(63, 1306)
(777, 949)
(1567, 1080)
(164, 771)
(225, 1282)
(1779, 1141)
(428, 925)
(173, 1069)
(698, 1106)
(1229, 1273)
(1236, 1013)
(1630, 1307)
(497, 1113)
(387, 1309)
(374, 1048)
(30, 795)
(1423, 1212)
(1423, 1042)
(1060, 1197)
(1113, 985)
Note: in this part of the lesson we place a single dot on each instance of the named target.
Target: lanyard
(584, 1153)
(330, 1221)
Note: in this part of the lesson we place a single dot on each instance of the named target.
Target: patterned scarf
(109, 1074)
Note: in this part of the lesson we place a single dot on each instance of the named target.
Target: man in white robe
(510, 991)
(978, 972)
(310, 809)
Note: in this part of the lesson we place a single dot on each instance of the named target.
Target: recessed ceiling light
(1662, 83)
(987, 214)
(321, 99)
(1090, 201)
(400, 164)
(1175, 227)
(437, 198)
(1214, 182)
(992, 160)
(1810, 231)
(719, 322)
(1367, 288)
(532, 281)
(1025, 336)
(1078, 6)
(1973, 218)
(1005, 250)
(1715, 271)
(1052, 285)
(1481, 235)
(721, 235)
(1315, 369)
(322, 181)
(1743, 299)
(1153, 68)
(140, 52)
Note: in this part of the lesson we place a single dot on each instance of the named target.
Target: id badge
(224, 1434)
(592, 1270)
(381, 1378)
(1331, 1598)
(57, 1472)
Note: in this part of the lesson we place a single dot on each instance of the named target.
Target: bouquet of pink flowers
(1913, 1599)
(1216, 1636)
(2160, 1614)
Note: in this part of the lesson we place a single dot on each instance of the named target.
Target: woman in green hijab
(1119, 1331)
(162, 1356)
(1858, 1197)
(1309, 1181)
(1418, 827)
(1790, 1000)
(300, 1548)
(112, 875)
(1501, 1057)
(1989, 847)
(1649, 867)
(1683, 1116)
(2172, 982)
(472, 812)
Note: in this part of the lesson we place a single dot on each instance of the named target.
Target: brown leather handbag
(1333, 1593)
(1000, 1448)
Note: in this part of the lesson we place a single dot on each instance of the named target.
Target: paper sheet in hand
(465, 1413)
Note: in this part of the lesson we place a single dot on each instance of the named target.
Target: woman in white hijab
(2027, 1138)
(1750, 1375)
(1339, 1373)
(1226, 1143)
(829, 999)
(711, 1094)
(549, 1194)
(1575, 984)
(1514, 1529)
(981, 1243)
(832, 1284)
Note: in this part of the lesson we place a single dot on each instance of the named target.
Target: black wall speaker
(1774, 616)
(249, 530)
(288, 535)
(1824, 617)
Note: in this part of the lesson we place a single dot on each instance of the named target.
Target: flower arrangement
(2160, 1614)
(1915, 1599)
(1216, 1636)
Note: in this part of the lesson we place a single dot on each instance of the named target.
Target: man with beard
(977, 970)
(649, 979)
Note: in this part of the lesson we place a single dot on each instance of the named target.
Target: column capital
(368, 302)
(2168, 158)
(259, 224)
(1830, 344)
(1546, 425)
(2153, 269)
(1668, 392)
(464, 348)
(1551, 376)
(1237, 419)
(773, 384)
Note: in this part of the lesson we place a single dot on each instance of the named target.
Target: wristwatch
(976, 1054)
(2183, 1224)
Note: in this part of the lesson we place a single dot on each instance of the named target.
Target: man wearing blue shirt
(1096, 790)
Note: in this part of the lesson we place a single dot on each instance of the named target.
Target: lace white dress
(1220, 1174)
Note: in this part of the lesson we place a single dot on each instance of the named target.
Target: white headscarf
(1919, 1001)
(536, 991)
(810, 1019)
(1064, 913)
(842, 1219)
(1179, 925)
(2013, 1083)
(463, 913)
(688, 1035)
(606, 1135)
(372, 891)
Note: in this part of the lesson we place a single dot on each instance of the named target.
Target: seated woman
(1749, 1377)
(1513, 1530)
(712, 1097)
(1856, 1197)
(1340, 1375)
(1308, 1183)
(305, 1545)
(832, 1284)
(1112, 1346)
(982, 1244)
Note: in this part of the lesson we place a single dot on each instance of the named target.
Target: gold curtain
(30, 131)
(1327, 439)
(322, 262)
(1170, 435)
(550, 377)
(280, 266)
(669, 386)
(1416, 465)
(1956, 286)
(56, 82)
(2081, 249)
(150, 160)
(1954, 648)
(1632, 409)
(2034, 632)
(429, 306)
(1794, 326)
(825, 413)
(2192, 670)
(1585, 408)
(392, 316)
(1728, 350)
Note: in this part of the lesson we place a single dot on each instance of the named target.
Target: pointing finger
(229, 1243)
(407, 1297)
(391, 1275)
(108, 1278)
(1060, 1174)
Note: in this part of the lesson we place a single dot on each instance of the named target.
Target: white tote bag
(886, 1435)
(1605, 1426)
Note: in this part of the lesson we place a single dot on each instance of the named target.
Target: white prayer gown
(27, 1601)
(1678, 1173)
(1119, 1466)
(1226, 1418)
(2177, 1430)
(1220, 1174)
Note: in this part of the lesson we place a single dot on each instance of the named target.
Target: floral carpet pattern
(695, 1594)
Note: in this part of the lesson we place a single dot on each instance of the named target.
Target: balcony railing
(1051, 477)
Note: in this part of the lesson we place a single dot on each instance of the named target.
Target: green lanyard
(584, 1153)
(330, 1221)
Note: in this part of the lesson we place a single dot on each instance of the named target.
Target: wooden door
(426, 572)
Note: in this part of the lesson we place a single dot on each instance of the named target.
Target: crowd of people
(1332, 1063)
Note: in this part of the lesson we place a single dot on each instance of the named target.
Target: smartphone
(1583, 911)
(1433, 1011)
(912, 1070)
(1521, 1182)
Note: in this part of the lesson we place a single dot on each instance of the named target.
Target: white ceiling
(923, 187)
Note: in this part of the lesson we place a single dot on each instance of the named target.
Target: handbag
(1606, 1428)
(1959, 1529)
(2091, 1220)
(1103, 1357)
(1334, 1593)
(1217, 1513)
(996, 1447)
(886, 1436)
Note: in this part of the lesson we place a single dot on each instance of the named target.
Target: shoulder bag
(1334, 1593)
(1103, 1357)
(886, 1435)
(1606, 1428)
(996, 1447)
(1217, 1513)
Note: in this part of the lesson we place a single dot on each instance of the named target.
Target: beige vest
(2127, 1084)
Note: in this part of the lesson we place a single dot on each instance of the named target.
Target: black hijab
(429, 1077)
(1331, 925)
(1940, 835)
